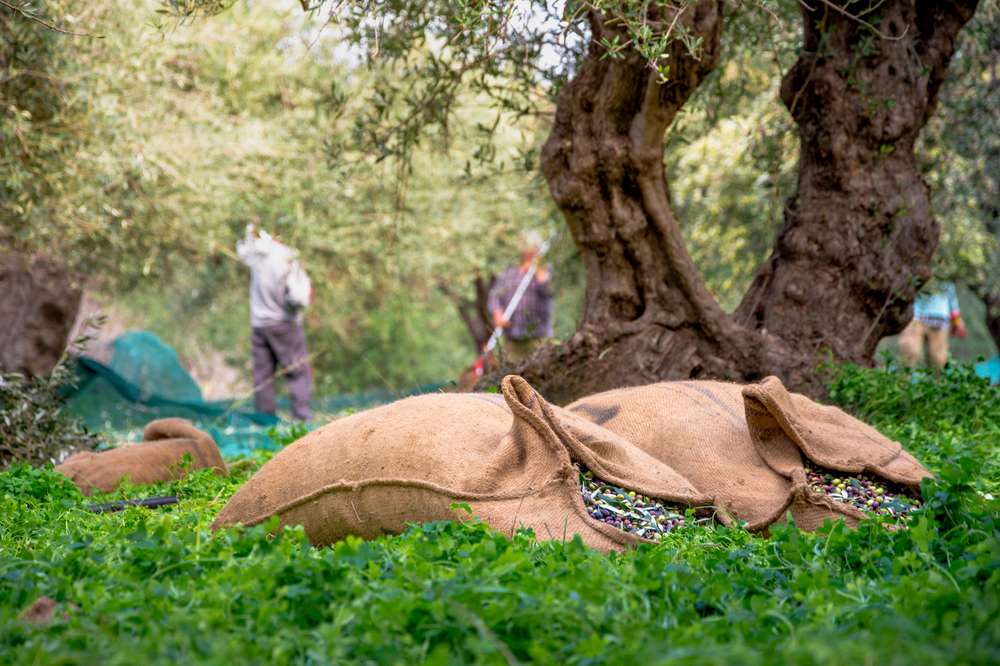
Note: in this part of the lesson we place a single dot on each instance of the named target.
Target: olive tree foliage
(147, 146)
(42, 108)
(426, 58)
(80, 181)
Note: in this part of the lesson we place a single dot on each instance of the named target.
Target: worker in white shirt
(279, 292)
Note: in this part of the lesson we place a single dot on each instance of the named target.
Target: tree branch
(473, 312)
(31, 17)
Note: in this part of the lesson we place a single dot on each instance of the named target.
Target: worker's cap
(530, 240)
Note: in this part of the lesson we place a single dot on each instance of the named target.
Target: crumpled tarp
(138, 378)
(990, 370)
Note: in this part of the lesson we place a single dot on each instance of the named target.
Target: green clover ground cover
(155, 586)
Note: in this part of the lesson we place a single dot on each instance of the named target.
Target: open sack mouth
(866, 492)
(645, 517)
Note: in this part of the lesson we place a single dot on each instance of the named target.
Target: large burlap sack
(509, 458)
(745, 445)
(158, 458)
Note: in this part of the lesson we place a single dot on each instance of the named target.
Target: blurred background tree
(179, 133)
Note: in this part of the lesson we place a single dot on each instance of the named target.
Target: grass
(145, 586)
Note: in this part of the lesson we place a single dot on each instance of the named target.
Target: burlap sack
(509, 458)
(744, 445)
(157, 458)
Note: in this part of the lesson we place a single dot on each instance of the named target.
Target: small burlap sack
(744, 445)
(509, 458)
(157, 458)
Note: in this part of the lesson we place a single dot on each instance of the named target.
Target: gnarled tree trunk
(858, 237)
(39, 301)
(859, 233)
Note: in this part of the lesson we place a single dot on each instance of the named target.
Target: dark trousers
(281, 345)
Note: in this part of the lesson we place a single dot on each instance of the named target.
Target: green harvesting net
(140, 379)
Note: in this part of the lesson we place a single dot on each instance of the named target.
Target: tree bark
(473, 311)
(858, 235)
(39, 301)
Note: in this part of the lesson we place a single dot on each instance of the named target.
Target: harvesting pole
(515, 301)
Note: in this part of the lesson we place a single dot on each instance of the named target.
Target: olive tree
(859, 233)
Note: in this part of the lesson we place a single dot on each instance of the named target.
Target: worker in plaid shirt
(531, 323)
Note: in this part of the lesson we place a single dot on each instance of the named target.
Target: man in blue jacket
(935, 316)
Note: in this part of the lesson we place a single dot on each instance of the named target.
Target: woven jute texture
(745, 445)
(509, 458)
(158, 458)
